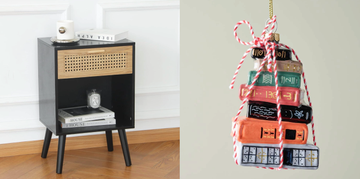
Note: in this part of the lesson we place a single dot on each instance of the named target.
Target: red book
(288, 95)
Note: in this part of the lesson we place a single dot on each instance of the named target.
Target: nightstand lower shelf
(62, 141)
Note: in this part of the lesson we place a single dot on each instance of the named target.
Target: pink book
(288, 95)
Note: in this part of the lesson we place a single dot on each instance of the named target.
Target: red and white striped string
(257, 42)
(307, 91)
(278, 113)
(270, 47)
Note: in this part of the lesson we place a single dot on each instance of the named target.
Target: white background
(153, 25)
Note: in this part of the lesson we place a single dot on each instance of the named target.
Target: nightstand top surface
(85, 43)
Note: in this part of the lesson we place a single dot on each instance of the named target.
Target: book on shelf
(99, 122)
(83, 113)
(102, 34)
(288, 95)
(268, 111)
(285, 79)
(286, 65)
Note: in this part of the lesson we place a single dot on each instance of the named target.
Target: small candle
(65, 30)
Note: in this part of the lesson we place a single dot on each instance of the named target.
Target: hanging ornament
(273, 94)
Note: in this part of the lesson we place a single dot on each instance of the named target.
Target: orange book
(251, 130)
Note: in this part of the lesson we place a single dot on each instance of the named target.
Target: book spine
(121, 36)
(101, 37)
(286, 79)
(268, 111)
(75, 119)
(281, 54)
(286, 66)
(89, 123)
(261, 131)
(268, 155)
(105, 37)
(288, 95)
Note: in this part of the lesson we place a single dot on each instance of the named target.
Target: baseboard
(90, 141)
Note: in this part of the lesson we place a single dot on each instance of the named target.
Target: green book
(285, 79)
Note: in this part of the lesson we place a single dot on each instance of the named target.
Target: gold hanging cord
(271, 9)
(275, 36)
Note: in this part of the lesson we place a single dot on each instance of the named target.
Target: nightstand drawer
(91, 62)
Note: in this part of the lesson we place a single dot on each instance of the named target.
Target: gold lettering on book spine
(281, 54)
(288, 96)
(293, 67)
(244, 92)
(311, 157)
(287, 67)
(262, 155)
(283, 131)
(299, 135)
(258, 52)
(270, 94)
(299, 68)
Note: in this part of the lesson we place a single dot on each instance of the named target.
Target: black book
(268, 111)
(281, 54)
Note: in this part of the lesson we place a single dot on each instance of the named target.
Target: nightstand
(67, 71)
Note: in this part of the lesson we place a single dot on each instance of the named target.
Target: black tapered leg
(60, 155)
(46, 145)
(124, 146)
(109, 140)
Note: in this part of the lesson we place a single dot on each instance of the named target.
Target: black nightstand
(67, 71)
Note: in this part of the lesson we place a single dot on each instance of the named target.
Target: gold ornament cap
(275, 37)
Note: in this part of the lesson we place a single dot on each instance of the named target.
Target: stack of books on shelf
(257, 134)
(83, 116)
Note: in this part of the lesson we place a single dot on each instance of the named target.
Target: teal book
(285, 79)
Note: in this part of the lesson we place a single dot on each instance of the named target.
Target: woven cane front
(94, 62)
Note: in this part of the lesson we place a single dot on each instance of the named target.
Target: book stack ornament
(274, 133)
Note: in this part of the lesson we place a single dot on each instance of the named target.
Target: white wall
(153, 25)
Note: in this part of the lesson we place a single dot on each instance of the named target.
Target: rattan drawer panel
(91, 62)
